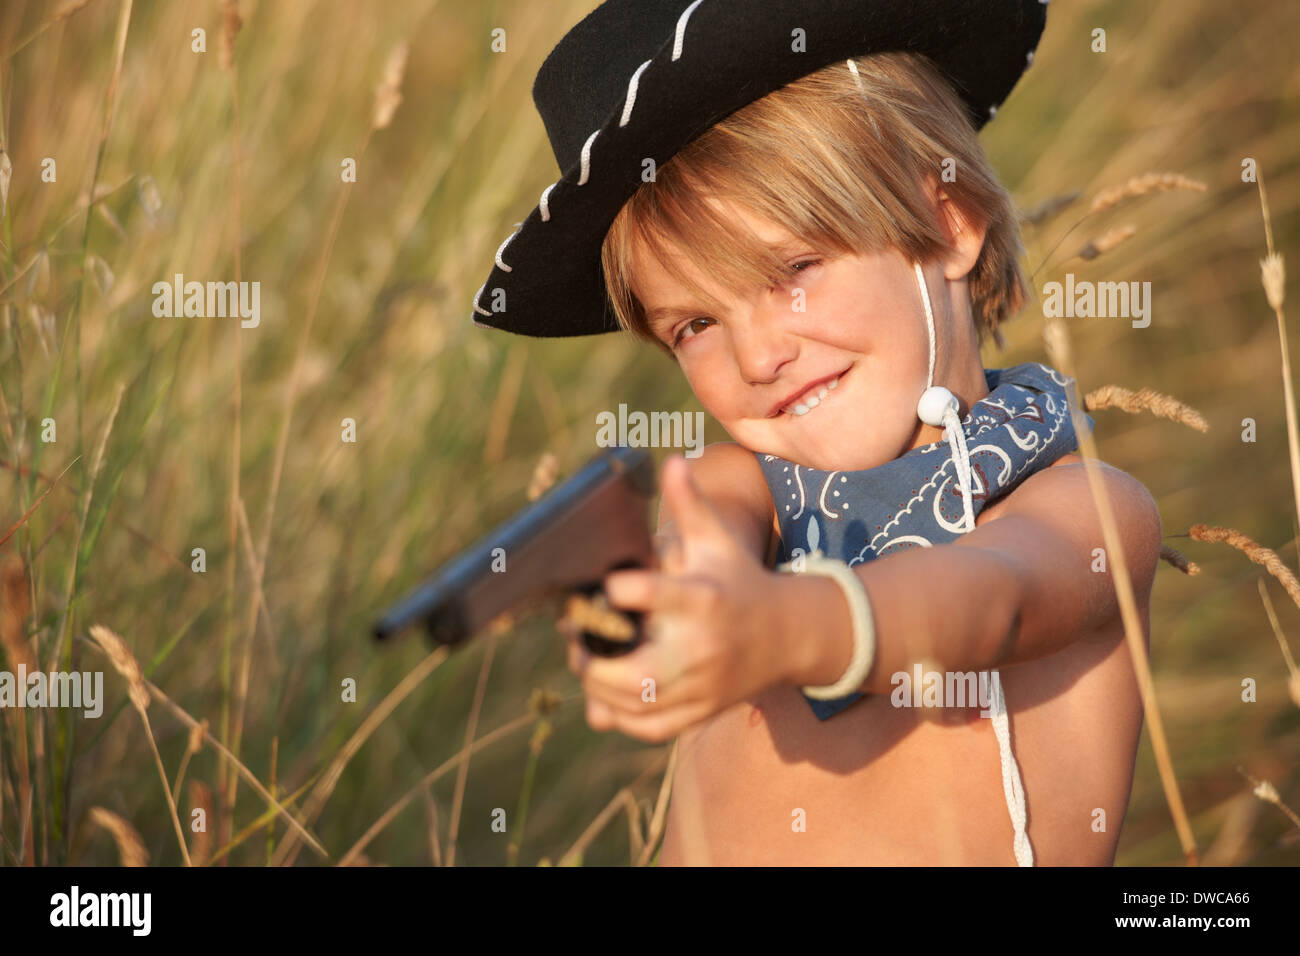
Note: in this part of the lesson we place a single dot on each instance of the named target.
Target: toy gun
(563, 543)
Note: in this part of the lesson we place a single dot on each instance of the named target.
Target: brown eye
(691, 327)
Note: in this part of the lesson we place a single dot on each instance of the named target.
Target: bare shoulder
(728, 475)
(1061, 496)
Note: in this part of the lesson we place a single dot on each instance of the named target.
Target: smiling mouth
(813, 397)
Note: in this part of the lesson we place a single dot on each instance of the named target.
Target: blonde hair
(840, 158)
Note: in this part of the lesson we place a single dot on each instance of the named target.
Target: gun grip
(606, 647)
(612, 643)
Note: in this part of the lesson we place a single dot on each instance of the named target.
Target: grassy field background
(176, 434)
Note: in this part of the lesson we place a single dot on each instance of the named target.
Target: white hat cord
(937, 407)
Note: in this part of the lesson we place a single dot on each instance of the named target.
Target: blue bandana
(915, 501)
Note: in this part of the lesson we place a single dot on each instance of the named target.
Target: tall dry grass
(183, 434)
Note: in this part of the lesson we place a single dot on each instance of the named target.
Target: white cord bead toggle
(934, 404)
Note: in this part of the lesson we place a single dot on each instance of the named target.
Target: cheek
(716, 388)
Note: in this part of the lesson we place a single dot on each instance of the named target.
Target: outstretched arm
(1020, 586)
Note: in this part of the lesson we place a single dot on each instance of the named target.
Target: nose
(762, 343)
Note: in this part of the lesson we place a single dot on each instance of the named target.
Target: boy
(822, 247)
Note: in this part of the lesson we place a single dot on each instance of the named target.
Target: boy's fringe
(1140, 186)
(1252, 549)
(1113, 396)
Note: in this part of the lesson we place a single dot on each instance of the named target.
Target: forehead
(659, 285)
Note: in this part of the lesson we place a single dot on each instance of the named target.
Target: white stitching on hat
(678, 39)
(631, 93)
(681, 29)
(586, 158)
(478, 308)
(546, 196)
(502, 248)
(853, 68)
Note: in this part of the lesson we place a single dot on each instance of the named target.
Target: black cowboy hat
(640, 79)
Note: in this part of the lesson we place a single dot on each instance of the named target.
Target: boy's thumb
(690, 509)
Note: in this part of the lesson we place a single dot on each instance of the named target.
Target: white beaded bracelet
(864, 628)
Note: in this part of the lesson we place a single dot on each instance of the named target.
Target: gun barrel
(466, 594)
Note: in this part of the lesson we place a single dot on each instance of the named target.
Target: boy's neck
(967, 383)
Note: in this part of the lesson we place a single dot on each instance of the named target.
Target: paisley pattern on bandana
(915, 501)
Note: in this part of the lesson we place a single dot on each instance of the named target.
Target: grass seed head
(129, 845)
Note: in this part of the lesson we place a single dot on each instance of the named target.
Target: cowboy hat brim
(719, 56)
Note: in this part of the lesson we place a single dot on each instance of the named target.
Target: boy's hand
(712, 632)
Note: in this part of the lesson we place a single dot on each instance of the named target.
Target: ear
(965, 235)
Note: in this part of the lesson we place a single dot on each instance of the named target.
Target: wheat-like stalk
(1268, 793)
(180, 714)
(230, 24)
(1293, 682)
(201, 799)
(6, 173)
(544, 476)
(1140, 186)
(1273, 275)
(15, 602)
(68, 9)
(452, 763)
(1057, 339)
(1165, 406)
(193, 744)
(14, 606)
(388, 94)
(1212, 534)
(544, 702)
(124, 662)
(1178, 560)
(659, 818)
(287, 851)
(129, 845)
(1106, 242)
(1048, 208)
(625, 798)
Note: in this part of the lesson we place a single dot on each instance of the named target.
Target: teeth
(808, 404)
